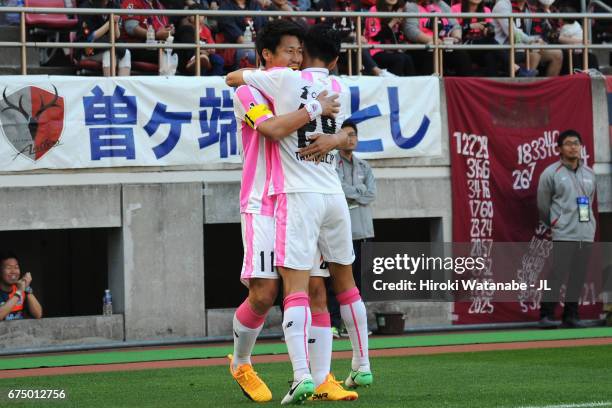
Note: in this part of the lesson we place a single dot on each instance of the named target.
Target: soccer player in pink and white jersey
(311, 211)
(279, 45)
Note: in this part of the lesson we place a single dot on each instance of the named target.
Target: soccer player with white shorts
(279, 45)
(310, 209)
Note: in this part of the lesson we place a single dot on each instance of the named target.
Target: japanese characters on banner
(74, 122)
(502, 136)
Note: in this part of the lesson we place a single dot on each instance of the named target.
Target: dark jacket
(88, 24)
(233, 27)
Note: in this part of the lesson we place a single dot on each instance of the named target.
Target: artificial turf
(517, 378)
(181, 353)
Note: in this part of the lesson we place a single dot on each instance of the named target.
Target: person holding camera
(522, 27)
(421, 31)
(479, 31)
(17, 300)
(388, 31)
(567, 31)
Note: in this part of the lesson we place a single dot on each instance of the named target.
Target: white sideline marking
(581, 405)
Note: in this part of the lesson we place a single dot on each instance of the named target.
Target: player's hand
(330, 104)
(320, 145)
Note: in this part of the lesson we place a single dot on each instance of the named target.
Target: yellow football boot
(331, 390)
(252, 386)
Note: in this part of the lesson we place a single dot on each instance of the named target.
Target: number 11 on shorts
(262, 255)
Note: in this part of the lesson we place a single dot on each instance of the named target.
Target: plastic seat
(142, 66)
(49, 21)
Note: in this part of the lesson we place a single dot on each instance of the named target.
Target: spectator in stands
(522, 26)
(96, 28)
(302, 5)
(242, 29)
(346, 26)
(388, 31)
(479, 31)
(421, 31)
(285, 5)
(211, 63)
(359, 189)
(207, 5)
(136, 26)
(17, 300)
(570, 32)
(175, 5)
(365, 5)
(566, 191)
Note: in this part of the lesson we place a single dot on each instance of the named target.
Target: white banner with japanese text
(61, 122)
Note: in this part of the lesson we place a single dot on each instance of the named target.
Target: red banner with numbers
(502, 136)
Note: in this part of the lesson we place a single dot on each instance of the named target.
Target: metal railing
(437, 48)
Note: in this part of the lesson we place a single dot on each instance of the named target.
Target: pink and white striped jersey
(256, 149)
(288, 91)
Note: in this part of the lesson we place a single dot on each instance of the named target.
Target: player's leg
(320, 339)
(320, 342)
(260, 276)
(297, 320)
(250, 316)
(335, 242)
(297, 218)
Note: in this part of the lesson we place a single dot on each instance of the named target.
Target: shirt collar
(321, 70)
(567, 166)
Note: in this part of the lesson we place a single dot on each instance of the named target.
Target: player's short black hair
(568, 133)
(269, 37)
(322, 42)
(351, 124)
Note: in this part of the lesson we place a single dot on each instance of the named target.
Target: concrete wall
(60, 331)
(60, 207)
(163, 269)
(156, 216)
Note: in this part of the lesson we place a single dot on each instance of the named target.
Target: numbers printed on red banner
(539, 149)
(481, 209)
(589, 294)
(472, 145)
(522, 178)
(481, 305)
(529, 154)
(532, 264)
(478, 168)
(478, 189)
(476, 150)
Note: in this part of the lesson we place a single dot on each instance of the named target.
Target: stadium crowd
(375, 61)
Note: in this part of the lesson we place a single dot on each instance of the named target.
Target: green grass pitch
(533, 378)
